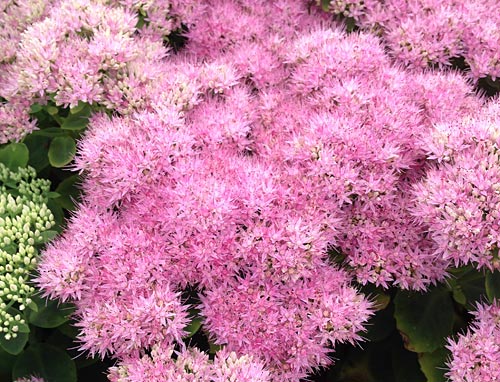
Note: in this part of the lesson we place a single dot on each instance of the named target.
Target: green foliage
(467, 285)
(49, 313)
(46, 361)
(432, 365)
(61, 151)
(14, 155)
(15, 345)
(195, 324)
(492, 285)
(424, 319)
(54, 144)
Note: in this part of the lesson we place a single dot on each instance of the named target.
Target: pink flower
(475, 354)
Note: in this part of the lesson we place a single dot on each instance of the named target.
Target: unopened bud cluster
(24, 217)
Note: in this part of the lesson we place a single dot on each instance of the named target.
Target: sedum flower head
(475, 355)
(30, 379)
(189, 365)
(24, 218)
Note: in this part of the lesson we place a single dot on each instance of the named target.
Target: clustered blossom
(81, 51)
(459, 200)
(420, 33)
(24, 217)
(189, 365)
(236, 168)
(475, 355)
(15, 16)
(30, 379)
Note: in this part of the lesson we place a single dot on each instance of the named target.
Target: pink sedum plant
(80, 51)
(420, 33)
(459, 198)
(237, 167)
(475, 355)
(30, 379)
(189, 365)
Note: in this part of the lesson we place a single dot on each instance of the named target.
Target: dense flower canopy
(422, 33)
(265, 166)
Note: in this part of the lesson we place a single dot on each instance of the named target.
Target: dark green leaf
(193, 326)
(406, 367)
(51, 132)
(46, 237)
(424, 320)
(6, 362)
(61, 151)
(53, 195)
(79, 108)
(77, 120)
(433, 365)
(380, 326)
(50, 313)
(58, 214)
(459, 295)
(470, 282)
(47, 362)
(68, 330)
(325, 5)
(14, 155)
(492, 284)
(52, 110)
(35, 108)
(38, 147)
(69, 192)
(14, 345)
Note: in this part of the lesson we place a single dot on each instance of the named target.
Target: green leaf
(50, 314)
(35, 108)
(381, 301)
(78, 108)
(50, 132)
(492, 285)
(380, 326)
(193, 326)
(424, 320)
(38, 147)
(47, 362)
(16, 345)
(470, 282)
(214, 348)
(33, 306)
(58, 214)
(6, 362)
(14, 155)
(406, 368)
(46, 236)
(69, 192)
(325, 5)
(459, 295)
(77, 120)
(61, 151)
(433, 365)
(52, 110)
(68, 330)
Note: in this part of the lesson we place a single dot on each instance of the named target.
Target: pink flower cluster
(82, 50)
(420, 33)
(15, 16)
(236, 167)
(459, 200)
(189, 365)
(30, 379)
(475, 355)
